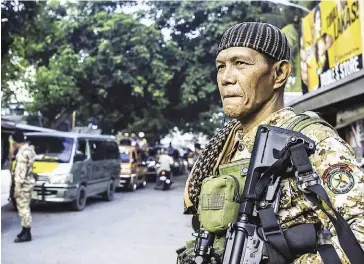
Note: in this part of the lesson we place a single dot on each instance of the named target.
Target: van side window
(81, 147)
(97, 150)
(112, 150)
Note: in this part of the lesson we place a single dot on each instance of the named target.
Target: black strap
(264, 180)
(273, 232)
(328, 254)
(300, 159)
(347, 239)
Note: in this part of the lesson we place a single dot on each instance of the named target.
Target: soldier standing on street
(252, 69)
(24, 183)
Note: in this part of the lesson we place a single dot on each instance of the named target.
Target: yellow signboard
(330, 44)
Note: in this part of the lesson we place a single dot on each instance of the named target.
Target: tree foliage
(109, 65)
(17, 20)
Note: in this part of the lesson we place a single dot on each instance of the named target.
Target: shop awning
(349, 116)
(343, 90)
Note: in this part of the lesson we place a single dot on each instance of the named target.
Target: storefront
(332, 72)
(342, 105)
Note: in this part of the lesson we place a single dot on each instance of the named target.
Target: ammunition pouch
(220, 197)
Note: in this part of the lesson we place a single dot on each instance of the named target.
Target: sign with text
(330, 43)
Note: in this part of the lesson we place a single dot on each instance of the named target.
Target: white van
(70, 167)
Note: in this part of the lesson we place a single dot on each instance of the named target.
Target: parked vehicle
(178, 166)
(188, 158)
(133, 172)
(151, 168)
(152, 162)
(71, 167)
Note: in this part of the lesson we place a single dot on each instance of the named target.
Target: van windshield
(49, 148)
(125, 142)
(124, 157)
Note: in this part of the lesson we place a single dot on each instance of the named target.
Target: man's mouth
(231, 96)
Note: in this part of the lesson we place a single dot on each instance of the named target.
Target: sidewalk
(5, 186)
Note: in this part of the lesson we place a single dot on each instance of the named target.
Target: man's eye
(219, 67)
(240, 63)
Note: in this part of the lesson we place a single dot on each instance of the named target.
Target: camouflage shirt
(340, 174)
(24, 166)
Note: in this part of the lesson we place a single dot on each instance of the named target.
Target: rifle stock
(246, 241)
(246, 245)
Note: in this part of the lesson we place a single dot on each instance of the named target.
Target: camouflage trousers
(23, 196)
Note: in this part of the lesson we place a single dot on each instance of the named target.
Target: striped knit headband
(261, 37)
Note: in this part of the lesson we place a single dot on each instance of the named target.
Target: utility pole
(73, 119)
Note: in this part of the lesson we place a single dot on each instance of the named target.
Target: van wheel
(144, 183)
(80, 202)
(133, 187)
(109, 194)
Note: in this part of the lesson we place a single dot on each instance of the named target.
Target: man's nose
(228, 76)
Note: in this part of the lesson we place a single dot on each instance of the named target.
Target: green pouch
(220, 197)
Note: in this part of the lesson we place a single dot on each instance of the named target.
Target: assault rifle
(256, 237)
(11, 193)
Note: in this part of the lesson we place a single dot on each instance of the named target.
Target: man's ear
(282, 70)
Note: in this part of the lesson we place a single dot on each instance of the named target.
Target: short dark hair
(18, 136)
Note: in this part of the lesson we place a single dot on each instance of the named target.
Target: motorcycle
(165, 179)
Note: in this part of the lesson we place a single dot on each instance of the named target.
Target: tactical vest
(220, 194)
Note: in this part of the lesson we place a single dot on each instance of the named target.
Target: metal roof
(70, 135)
(11, 125)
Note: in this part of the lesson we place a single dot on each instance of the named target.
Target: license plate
(123, 181)
(34, 195)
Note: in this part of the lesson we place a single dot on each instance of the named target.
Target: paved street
(144, 227)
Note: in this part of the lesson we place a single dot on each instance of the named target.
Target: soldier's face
(245, 80)
(16, 144)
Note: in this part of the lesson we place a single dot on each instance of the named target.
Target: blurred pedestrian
(165, 161)
(23, 184)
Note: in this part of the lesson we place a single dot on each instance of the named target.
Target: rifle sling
(316, 194)
(273, 233)
(328, 254)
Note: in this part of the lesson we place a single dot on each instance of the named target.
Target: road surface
(142, 227)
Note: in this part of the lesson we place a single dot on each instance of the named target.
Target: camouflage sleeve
(343, 181)
(24, 163)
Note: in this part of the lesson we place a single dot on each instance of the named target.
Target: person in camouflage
(24, 183)
(252, 69)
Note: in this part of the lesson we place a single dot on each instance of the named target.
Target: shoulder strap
(305, 119)
(292, 122)
(317, 195)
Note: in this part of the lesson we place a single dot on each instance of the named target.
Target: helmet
(18, 136)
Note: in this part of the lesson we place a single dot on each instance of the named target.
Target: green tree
(93, 58)
(107, 65)
(196, 28)
(17, 20)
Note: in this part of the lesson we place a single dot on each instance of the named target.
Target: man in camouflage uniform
(252, 69)
(24, 183)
